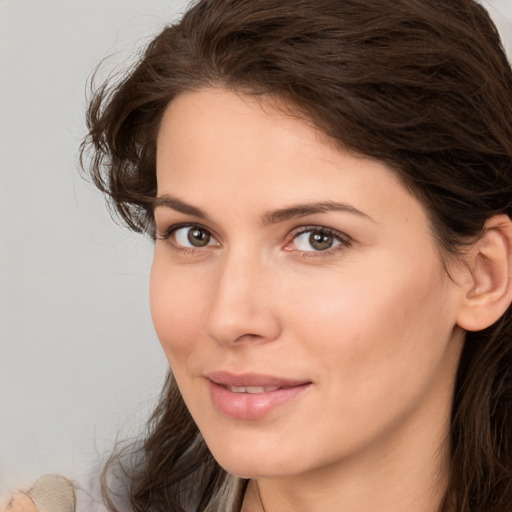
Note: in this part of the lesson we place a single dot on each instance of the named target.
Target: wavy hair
(422, 85)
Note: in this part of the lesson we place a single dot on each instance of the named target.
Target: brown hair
(422, 85)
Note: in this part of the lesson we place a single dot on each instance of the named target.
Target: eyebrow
(303, 210)
(269, 217)
(178, 205)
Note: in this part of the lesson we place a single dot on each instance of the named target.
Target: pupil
(198, 237)
(320, 241)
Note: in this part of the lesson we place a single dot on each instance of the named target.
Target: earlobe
(488, 290)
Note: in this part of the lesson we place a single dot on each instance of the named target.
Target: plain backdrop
(79, 361)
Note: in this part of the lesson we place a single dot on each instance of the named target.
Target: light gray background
(79, 361)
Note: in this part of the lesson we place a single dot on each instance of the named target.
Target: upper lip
(224, 378)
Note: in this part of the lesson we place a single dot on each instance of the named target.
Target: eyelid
(167, 235)
(344, 239)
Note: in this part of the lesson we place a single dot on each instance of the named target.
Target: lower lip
(252, 406)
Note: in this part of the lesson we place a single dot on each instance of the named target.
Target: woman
(329, 187)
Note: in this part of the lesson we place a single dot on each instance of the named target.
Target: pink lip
(252, 406)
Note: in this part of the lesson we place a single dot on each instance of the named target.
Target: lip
(252, 406)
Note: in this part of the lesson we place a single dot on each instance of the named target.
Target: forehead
(218, 146)
(220, 113)
(236, 128)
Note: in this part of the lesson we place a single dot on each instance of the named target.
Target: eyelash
(168, 235)
(344, 240)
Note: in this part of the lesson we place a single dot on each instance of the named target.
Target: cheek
(178, 307)
(377, 346)
(382, 325)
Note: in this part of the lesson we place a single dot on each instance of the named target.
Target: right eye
(189, 237)
(192, 237)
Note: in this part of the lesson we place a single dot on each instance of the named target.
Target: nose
(242, 308)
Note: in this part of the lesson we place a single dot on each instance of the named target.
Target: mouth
(252, 389)
(252, 396)
(252, 382)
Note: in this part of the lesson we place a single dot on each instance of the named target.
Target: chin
(253, 470)
(250, 461)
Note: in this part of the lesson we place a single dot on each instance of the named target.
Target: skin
(371, 323)
(20, 503)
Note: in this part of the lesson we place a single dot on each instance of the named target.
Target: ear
(488, 287)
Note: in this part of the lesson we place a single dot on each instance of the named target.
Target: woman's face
(297, 292)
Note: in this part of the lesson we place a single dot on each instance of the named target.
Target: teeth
(252, 389)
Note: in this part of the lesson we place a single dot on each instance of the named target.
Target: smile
(252, 397)
(253, 389)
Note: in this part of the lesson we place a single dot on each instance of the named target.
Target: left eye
(316, 240)
(193, 236)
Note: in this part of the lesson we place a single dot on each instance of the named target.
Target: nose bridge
(240, 308)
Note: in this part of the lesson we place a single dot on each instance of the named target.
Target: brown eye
(192, 237)
(318, 240)
(198, 237)
(321, 241)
